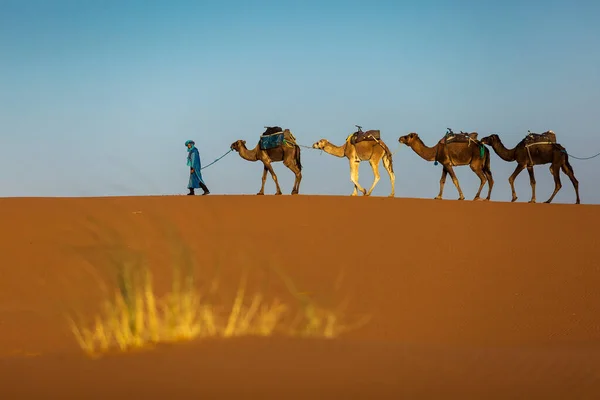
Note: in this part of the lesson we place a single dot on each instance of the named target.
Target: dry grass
(137, 318)
(134, 316)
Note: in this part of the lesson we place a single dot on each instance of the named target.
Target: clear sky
(98, 97)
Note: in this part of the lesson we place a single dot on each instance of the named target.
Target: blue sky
(98, 98)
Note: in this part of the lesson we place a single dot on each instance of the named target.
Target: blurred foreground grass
(134, 316)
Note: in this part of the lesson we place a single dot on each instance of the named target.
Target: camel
(527, 156)
(362, 146)
(452, 151)
(287, 151)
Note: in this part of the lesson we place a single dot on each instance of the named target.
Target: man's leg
(203, 187)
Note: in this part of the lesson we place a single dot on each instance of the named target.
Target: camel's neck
(249, 155)
(426, 153)
(338, 151)
(502, 151)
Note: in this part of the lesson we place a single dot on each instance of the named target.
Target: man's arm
(195, 161)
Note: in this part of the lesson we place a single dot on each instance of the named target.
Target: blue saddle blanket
(271, 141)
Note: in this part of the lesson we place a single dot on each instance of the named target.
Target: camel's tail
(298, 162)
(388, 154)
(564, 151)
(487, 161)
(291, 141)
(567, 163)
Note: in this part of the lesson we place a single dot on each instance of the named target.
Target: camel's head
(320, 144)
(237, 145)
(408, 139)
(489, 140)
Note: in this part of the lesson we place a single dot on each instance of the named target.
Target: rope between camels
(581, 158)
(285, 142)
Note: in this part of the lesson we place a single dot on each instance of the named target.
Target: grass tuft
(136, 317)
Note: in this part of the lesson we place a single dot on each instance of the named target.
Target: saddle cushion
(288, 138)
(271, 141)
(462, 137)
(371, 135)
(548, 136)
(271, 130)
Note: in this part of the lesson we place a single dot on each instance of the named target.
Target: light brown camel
(465, 149)
(538, 154)
(288, 152)
(372, 151)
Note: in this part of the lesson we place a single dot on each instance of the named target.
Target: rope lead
(206, 166)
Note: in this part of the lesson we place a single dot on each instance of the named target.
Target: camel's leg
(294, 168)
(298, 173)
(568, 170)
(511, 180)
(482, 179)
(274, 176)
(531, 182)
(490, 181)
(354, 177)
(461, 196)
(488, 174)
(264, 180)
(555, 171)
(377, 177)
(389, 167)
(355, 191)
(442, 183)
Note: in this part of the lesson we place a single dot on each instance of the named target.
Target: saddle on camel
(462, 137)
(275, 136)
(548, 137)
(534, 139)
(361, 136)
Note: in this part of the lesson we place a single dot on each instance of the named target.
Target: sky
(98, 98)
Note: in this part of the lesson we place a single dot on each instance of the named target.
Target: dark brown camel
(288, 152)
(528, 153)
(455, 150)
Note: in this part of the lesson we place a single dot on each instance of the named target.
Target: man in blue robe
(193, 161)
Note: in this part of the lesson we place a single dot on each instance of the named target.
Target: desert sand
(486, 300)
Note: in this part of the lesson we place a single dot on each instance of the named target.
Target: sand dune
(466, 299)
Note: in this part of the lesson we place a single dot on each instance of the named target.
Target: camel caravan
(452, 150)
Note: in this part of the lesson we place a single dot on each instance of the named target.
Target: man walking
(193, 161)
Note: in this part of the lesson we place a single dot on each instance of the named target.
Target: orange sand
(467, 299)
